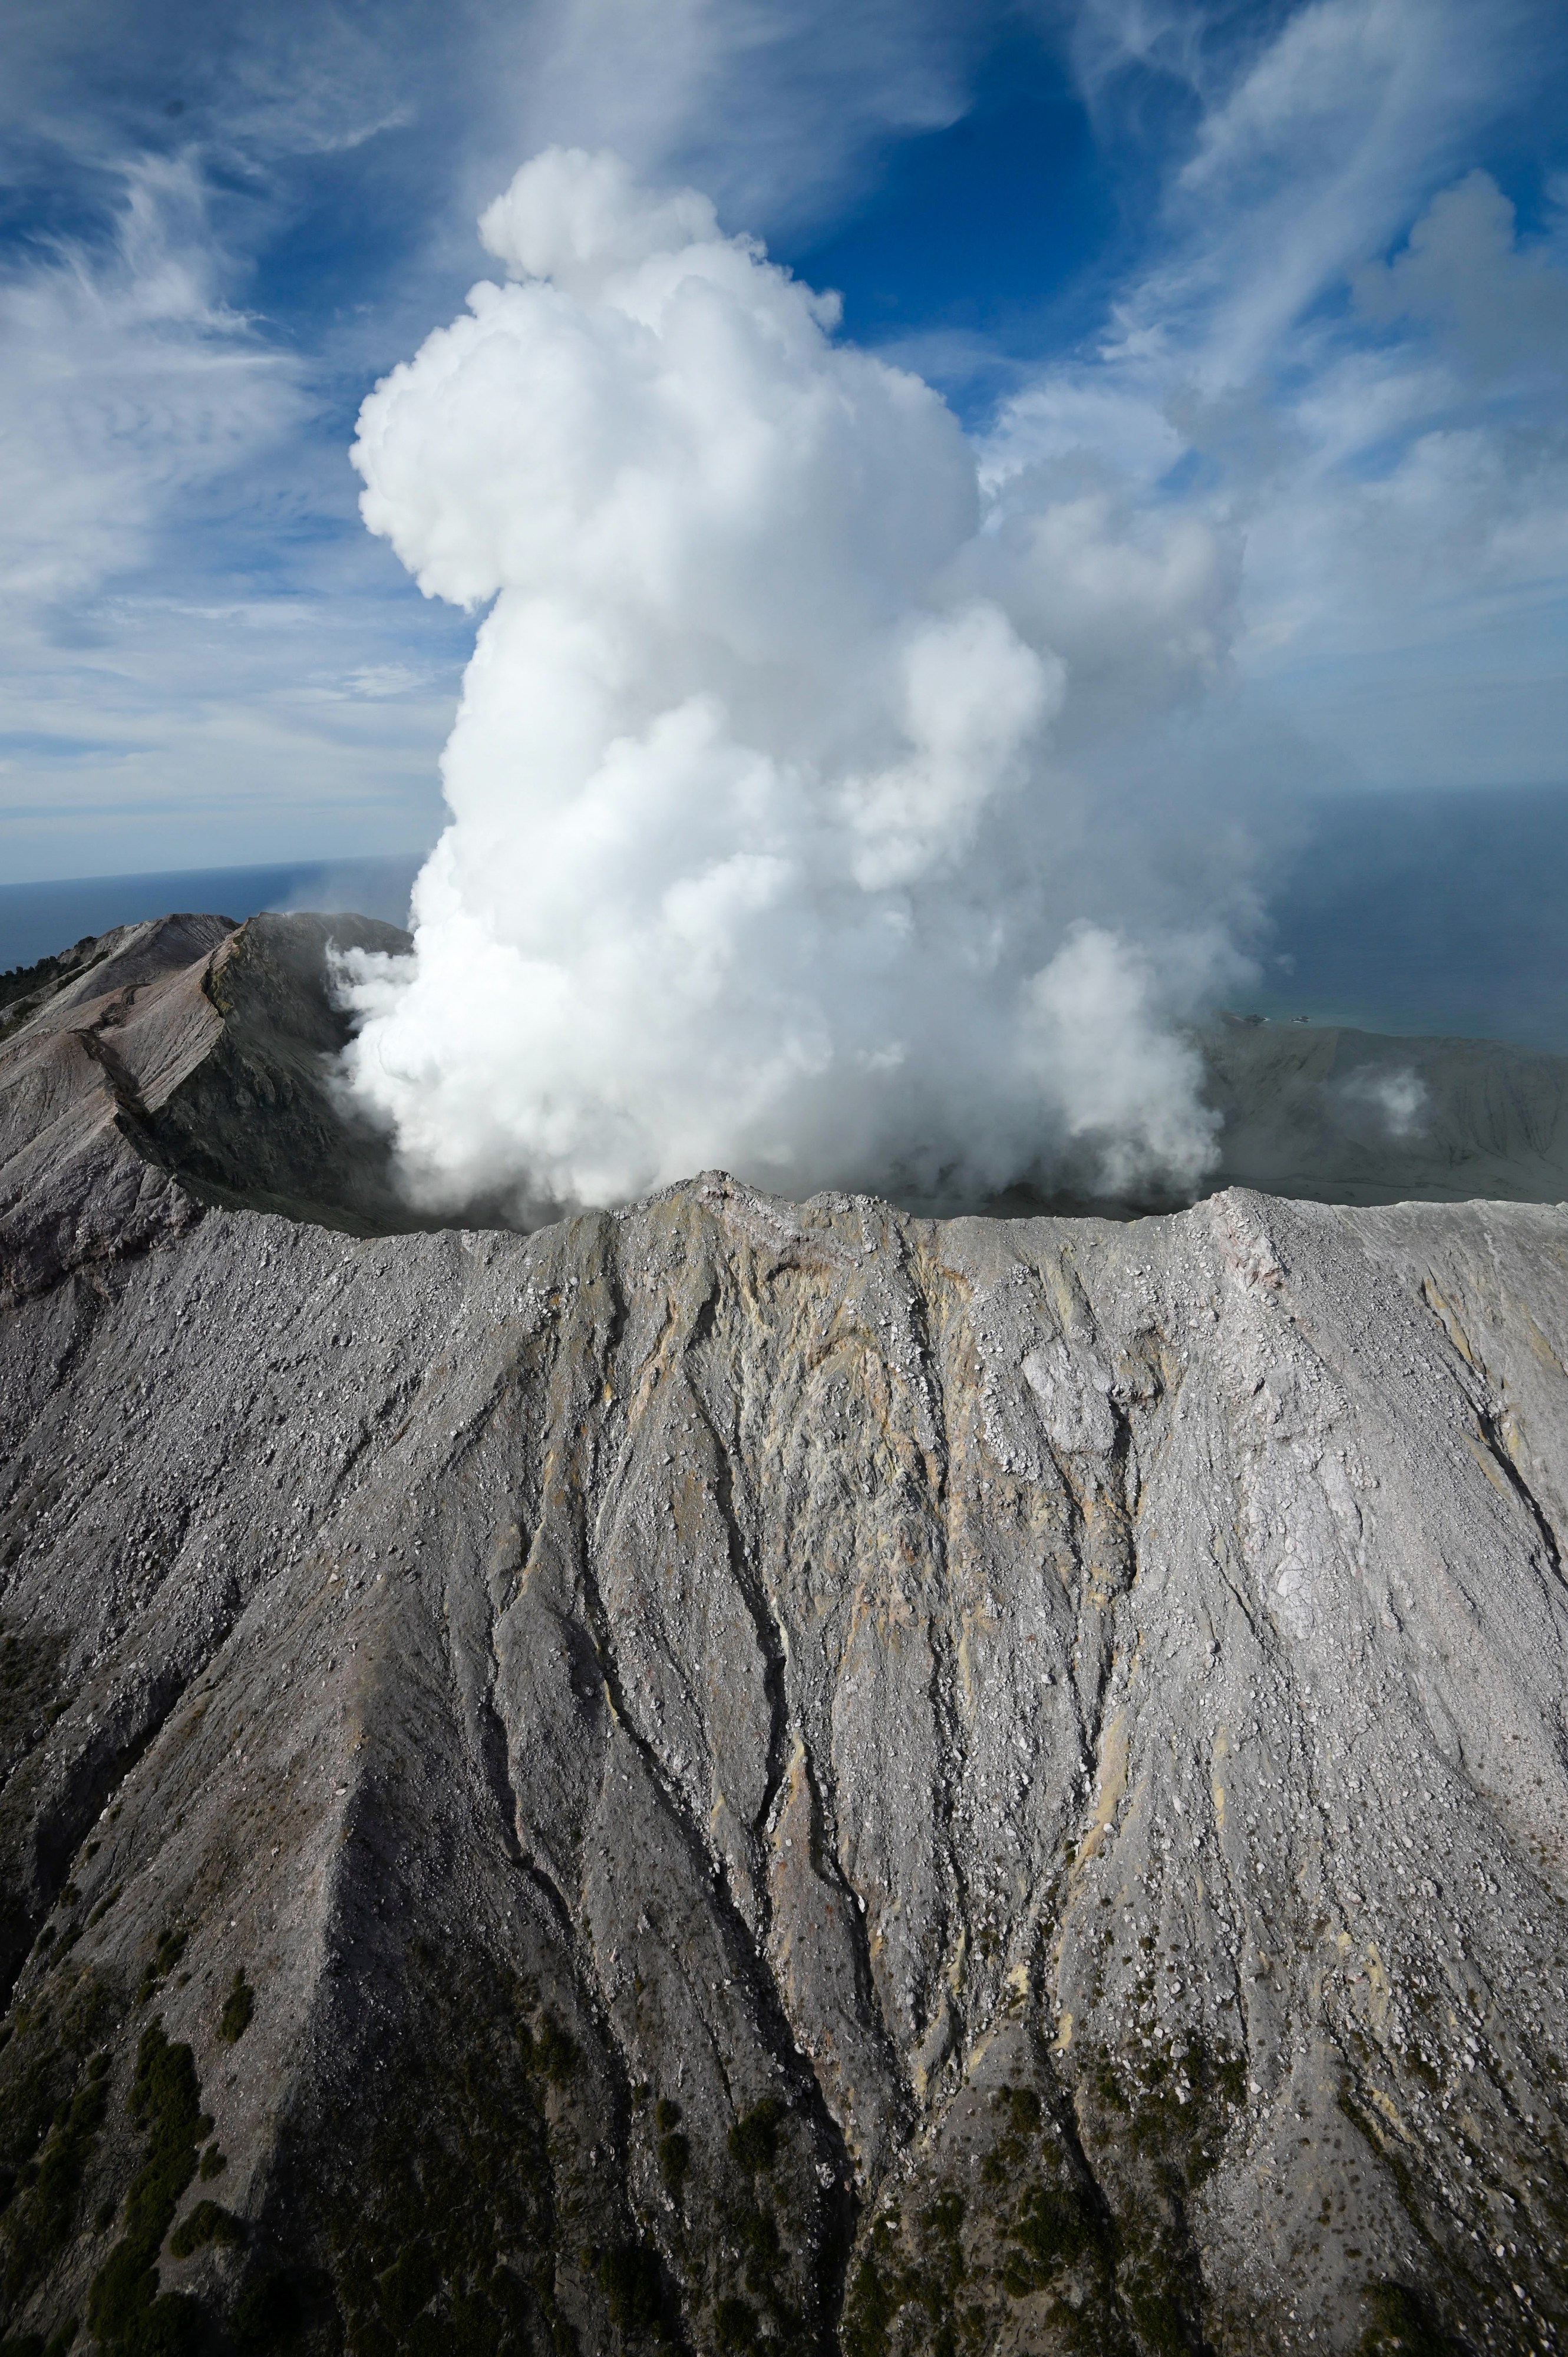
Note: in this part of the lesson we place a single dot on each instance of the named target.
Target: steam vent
(736, 1776)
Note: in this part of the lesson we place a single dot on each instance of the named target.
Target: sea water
(36, 920)
(1437, 913)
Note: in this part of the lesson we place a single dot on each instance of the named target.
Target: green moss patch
(46, 2212)
(167, 1953)
(946, 2271)
(238, 2007)
(445, 2235)
(1399, 2324)
(735, 2325)
(633, 2288)
(125, 2309)
(754, 2139)
(207, 2223)
(33, 2344)
(53, 2096)
(675, 2162)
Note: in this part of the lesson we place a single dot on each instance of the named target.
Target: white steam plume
(758, 854)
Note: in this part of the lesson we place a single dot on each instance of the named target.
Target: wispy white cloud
(176, 440)
(772, 106)
(1330, 373)
(156, 664)
(129, 385)
(1341, 347)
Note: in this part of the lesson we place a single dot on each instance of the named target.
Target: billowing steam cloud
(758, 855)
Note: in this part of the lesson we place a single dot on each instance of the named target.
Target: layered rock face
(739, 1776)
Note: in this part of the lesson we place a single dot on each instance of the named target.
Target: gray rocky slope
(733, 1775)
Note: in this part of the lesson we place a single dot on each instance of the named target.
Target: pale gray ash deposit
(739, 1776)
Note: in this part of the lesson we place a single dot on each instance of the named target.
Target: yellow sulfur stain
(1112, 1785)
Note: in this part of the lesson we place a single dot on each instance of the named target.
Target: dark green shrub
(46, 2212)
(555, 2051)
(1023, 2110)
(123, 2308)
(429, 2336)
(1107, 2085)
(410, 2283)
(877, 2293)
(674, 2161)
(170, 2326)
(757, 2232)
(1051, 2231)
(735, 2325)
(168, 1953)
(170, 1948)
(754, 2141)
(1156, 2315)
(238, 2007)
(1400, 2324)
(205, 2223)
(455, 2156)
(628, 2278)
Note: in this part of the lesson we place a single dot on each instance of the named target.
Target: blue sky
(1296, 275)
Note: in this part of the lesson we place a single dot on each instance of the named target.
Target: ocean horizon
(39, 919)
(1438, 913)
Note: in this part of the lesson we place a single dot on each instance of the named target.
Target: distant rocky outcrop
(181, 1063)
(736, 1776)
(1333, 1115)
